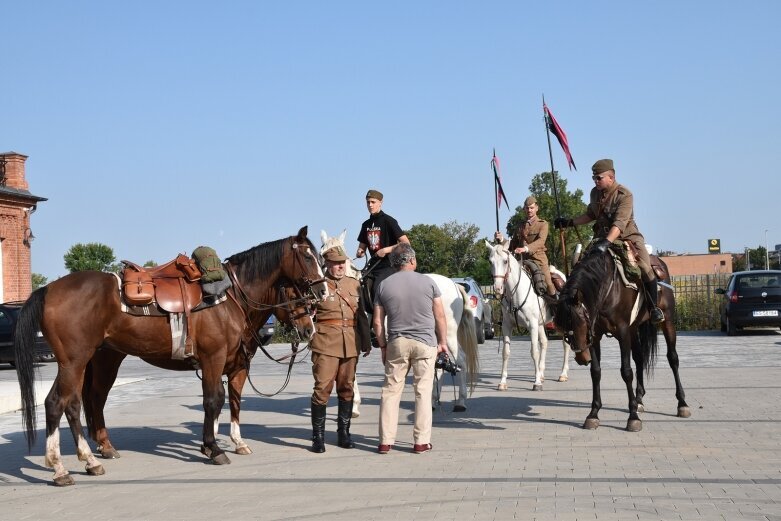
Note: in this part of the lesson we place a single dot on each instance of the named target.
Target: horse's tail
(27, 327)
(648, 342)
(467, 339)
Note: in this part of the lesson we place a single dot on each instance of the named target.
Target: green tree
(451, 250)
(38, 281)
(91, 256)
(571, 204)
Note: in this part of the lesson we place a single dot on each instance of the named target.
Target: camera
(446, 364)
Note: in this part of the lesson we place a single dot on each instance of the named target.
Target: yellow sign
(714, 245)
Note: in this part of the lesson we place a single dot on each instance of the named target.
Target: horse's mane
(586, 285)
(260, 261)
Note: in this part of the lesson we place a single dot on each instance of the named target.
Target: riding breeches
(328, 370)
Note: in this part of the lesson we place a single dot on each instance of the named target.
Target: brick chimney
(14, 170)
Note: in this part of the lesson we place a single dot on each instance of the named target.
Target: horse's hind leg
(356, 398)
(99, 378)
(64, 398)
(235, 386)
(627, 341)
(538, 355)
(564, 376)
(670, 337)
(637, 356)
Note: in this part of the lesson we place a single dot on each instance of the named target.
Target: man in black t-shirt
(379, 234)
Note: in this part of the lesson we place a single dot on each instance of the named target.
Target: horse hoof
(591, 423)
(684, 412)
(110, 453)
(221, 459)
(355, 414)
(97, 470)
(243, 451)
(563, 378)
(459, 408)
(64, 481)
(501, 387)
(634, 425)
(640, 407)
(537, 387)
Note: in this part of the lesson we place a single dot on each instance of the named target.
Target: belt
(344, 322)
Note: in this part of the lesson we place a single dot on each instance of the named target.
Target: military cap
(374, 194)
(603, 165)
(335, 254)
(530, 201)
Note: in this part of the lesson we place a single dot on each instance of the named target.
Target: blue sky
(234, 123)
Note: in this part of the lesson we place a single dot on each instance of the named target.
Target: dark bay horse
(80, 313)
(285, 301)
(595, 302)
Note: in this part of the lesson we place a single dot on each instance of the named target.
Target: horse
(521, 306)
(81, 312)
(461, 334)
(285, 301)
(595, 302)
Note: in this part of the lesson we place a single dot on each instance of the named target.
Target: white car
(484, 321)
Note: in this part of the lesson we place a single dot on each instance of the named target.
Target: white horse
(522, 306)
(461, 334)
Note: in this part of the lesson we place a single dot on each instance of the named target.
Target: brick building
(16, 206)
(705, 264)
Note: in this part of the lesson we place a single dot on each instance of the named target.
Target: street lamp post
(767, 254)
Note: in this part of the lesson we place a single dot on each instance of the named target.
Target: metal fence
(697, 306)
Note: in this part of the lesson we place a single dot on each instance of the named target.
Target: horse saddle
(174, 286)
(659, 268)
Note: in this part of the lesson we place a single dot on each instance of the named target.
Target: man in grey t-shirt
(417, 331)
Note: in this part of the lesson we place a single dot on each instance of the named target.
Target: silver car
(484, 320)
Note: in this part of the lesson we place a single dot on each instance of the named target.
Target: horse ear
(506, 244)
(488, 244)
(323, 237)
(302, 233)
(343, 235)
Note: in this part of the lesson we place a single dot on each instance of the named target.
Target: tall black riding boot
(343, 428)
(652, 290)
(318, 428)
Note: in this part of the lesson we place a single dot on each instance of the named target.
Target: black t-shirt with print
(379, 231)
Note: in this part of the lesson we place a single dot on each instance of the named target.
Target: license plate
(768, 313)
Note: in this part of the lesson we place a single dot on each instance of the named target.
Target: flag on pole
(557, 131)
(500, 191)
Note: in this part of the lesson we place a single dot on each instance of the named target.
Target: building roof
(16, 192)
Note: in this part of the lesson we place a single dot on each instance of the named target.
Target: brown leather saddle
(173, 286)
(659, 268)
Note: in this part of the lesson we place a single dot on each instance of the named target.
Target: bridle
(509, 295)
(569, 336)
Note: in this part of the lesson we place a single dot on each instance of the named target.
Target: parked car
(266, 331)
(484, 320)
(9, 312)
(751, 299)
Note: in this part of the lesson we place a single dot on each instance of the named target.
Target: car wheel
(731, 329)
(480, 331)
(489, 332)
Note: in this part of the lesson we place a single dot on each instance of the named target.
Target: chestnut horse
(81, 312)
(285, 301)
(594, 302)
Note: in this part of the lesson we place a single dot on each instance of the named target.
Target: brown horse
(595, 302)
(285, 301)
(80, 313)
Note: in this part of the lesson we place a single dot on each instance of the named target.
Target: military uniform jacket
(614, 208)
(342, 324)
(533, 235)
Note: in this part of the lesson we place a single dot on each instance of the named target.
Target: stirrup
(657, 316)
